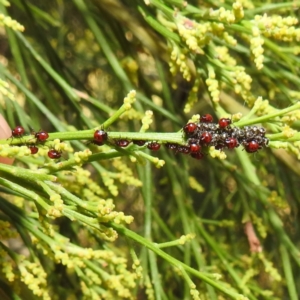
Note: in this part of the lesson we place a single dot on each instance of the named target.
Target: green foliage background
(69, 72)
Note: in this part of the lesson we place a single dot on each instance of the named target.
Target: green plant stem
(144, 242)
(28, 194)
(115, 116)
(29, 175)
(269, 116)
(218, 251)
(70, 92)
(170, 137)
(275, 220)
(289, 278)
(104, 44)
(169, 244)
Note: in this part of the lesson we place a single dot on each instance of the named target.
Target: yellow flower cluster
(149, 289)
(56, 210)
(80, 183)
(131, 114)
(256, 47)
(125, 174)
(242, 82)
(147, 120)
(34, 277)
(224, 56)
(277, 201)
(186, 238)
(46, 227)
(194, 34)
(178, 63)
(101, 268)
(262, 107)
(260, 226)
(7, 267)
(229, 39)
(130, 99)
(82, 156)
(291, 117)
(5, 92)
(238, 10)
(228, 16)
(194, 119)
(195, 293)
(213, 85)
(269, 268)
(108, 181)
(159, 163)
(193, 96)
(106, 213)
(274, 26)
(217, 153)
(6, 231)
(136, 266)
(9, 22)
(14, 151)
(288, 131)
(195, 185)
(278, 27)
(294, 148)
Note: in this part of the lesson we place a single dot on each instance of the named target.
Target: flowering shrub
(97, 93)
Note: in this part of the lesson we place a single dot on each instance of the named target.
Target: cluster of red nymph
(199, 135)
(101, 137)
(40, 137)
(221, 135)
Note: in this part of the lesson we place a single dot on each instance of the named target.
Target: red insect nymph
(41, 136)
(18, 132)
